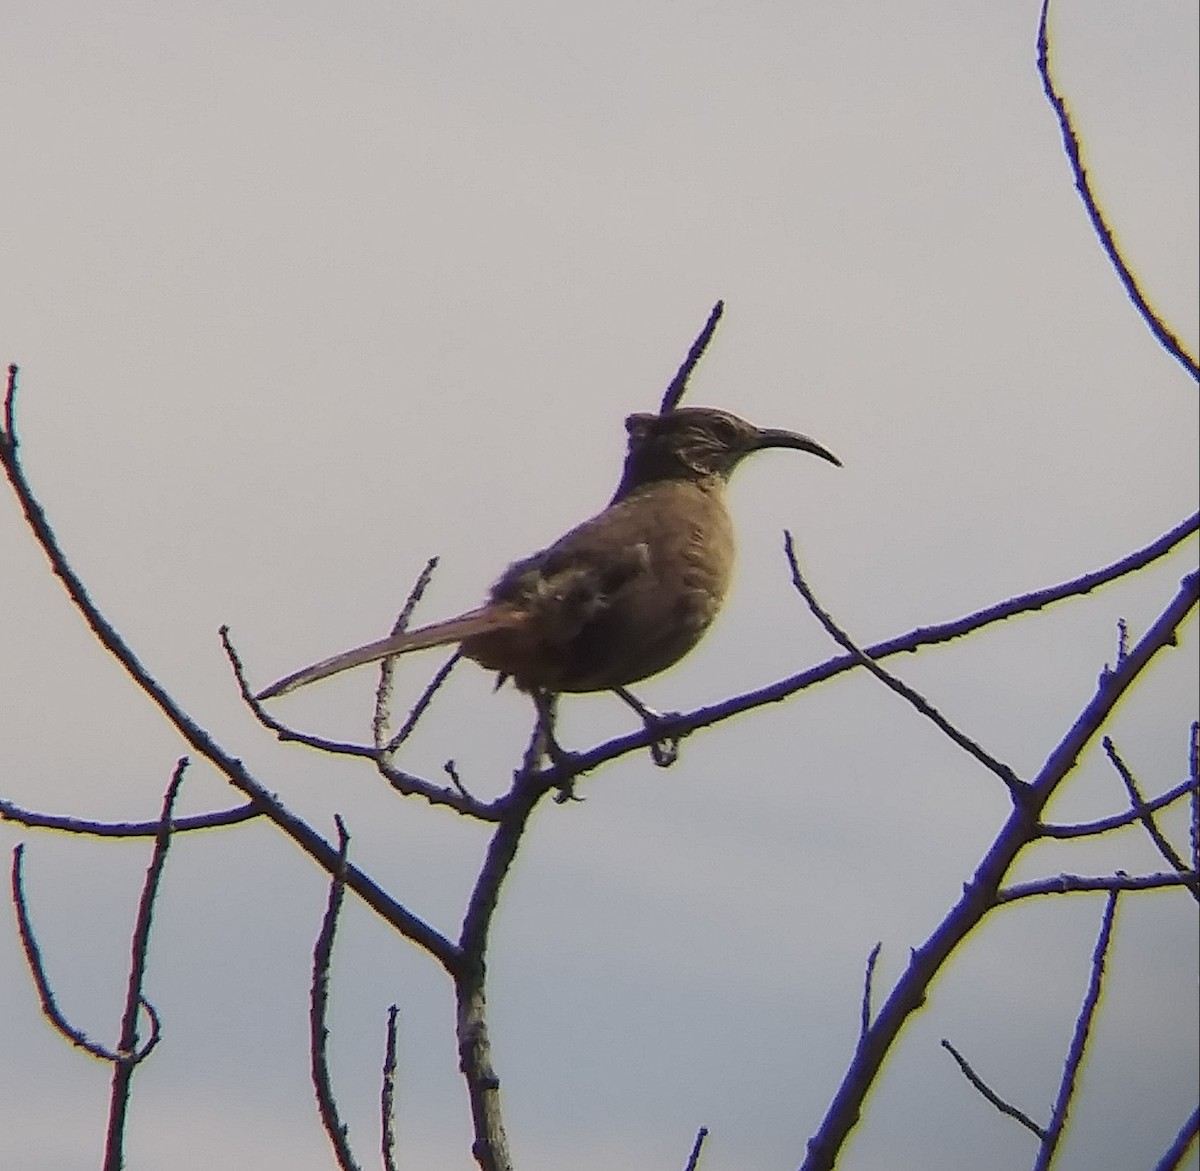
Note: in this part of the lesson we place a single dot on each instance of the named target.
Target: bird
(620, 597)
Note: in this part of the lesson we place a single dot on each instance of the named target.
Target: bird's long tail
(486, 618)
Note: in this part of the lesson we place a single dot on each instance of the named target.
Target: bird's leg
(546, 744)
(664, 750)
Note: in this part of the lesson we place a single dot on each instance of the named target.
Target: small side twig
(1103, 825)
(1194, 784)
(382, 717)
(403, 782)
(126, 829)
(318, 1031)
(283, 732)
(1016, 786)
(868, 982)
(419, 708)
(1104, 232)
(387, 1093)
(1137, 805)
(128, 1054)
(1083, 1024)
(694, 1158)
(37, 968)
(678, 385)
(1174, 1155)
(986, 1090)
(1070, 884)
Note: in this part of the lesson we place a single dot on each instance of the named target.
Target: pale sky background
(305, 293)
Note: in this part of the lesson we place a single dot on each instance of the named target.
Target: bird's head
(699, 443)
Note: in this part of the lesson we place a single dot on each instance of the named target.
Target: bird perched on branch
(622, 596)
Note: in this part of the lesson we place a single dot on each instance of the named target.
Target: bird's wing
(486, 618)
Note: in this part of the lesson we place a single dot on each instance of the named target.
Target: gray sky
(305, 294)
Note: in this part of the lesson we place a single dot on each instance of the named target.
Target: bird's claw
(567, 765)
(664, 749)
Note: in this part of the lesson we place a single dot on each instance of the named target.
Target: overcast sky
(303, 294)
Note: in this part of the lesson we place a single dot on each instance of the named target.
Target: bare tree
(986, 892)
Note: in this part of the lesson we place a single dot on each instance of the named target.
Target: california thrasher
(622, 596)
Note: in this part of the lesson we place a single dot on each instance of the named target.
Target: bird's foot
(544, 744)
(567, 765)
(664, 748)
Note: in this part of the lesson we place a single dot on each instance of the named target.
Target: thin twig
(128, 1056)
(1194, 782)
(423, 702)
(678, 385)
(382, 717)
(990, 1094)
(694, 1158)
(37, 969)
(319, 1002)
(1138, 805)
(457, 798)
(1071, 884)
(1174, 1155)
(868, 981)
(1016, 786)
(387, 1093)
(125, 829)
(1086, 829)
(1122, 640)
(283, 732)
(1104, 232)
(403, 782)
(1087, 1012)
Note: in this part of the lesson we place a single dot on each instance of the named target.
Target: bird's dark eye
(725, 432)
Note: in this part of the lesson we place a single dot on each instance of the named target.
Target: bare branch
(1085, 829)
(128, 1056)
(8, 437)
(1174, 1155)
(319, 1002)
(456, 798)
(1087, 1012)
(423, 702)
(403, 782)
(387, 1093)
(868, 980)
(1070, 884)
(1015, 785)
(1113, 685)
(316, 847)
(678, 385)
(981, 893)
(382, 717)
(37, 970)
(1104, 232)
(1138, 805)
(283, 732)
(1194, 782)
(474, 1045)
(982, 1086)
(694, 1158)
(125, 829)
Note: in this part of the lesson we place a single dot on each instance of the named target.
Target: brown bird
(622, 596)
